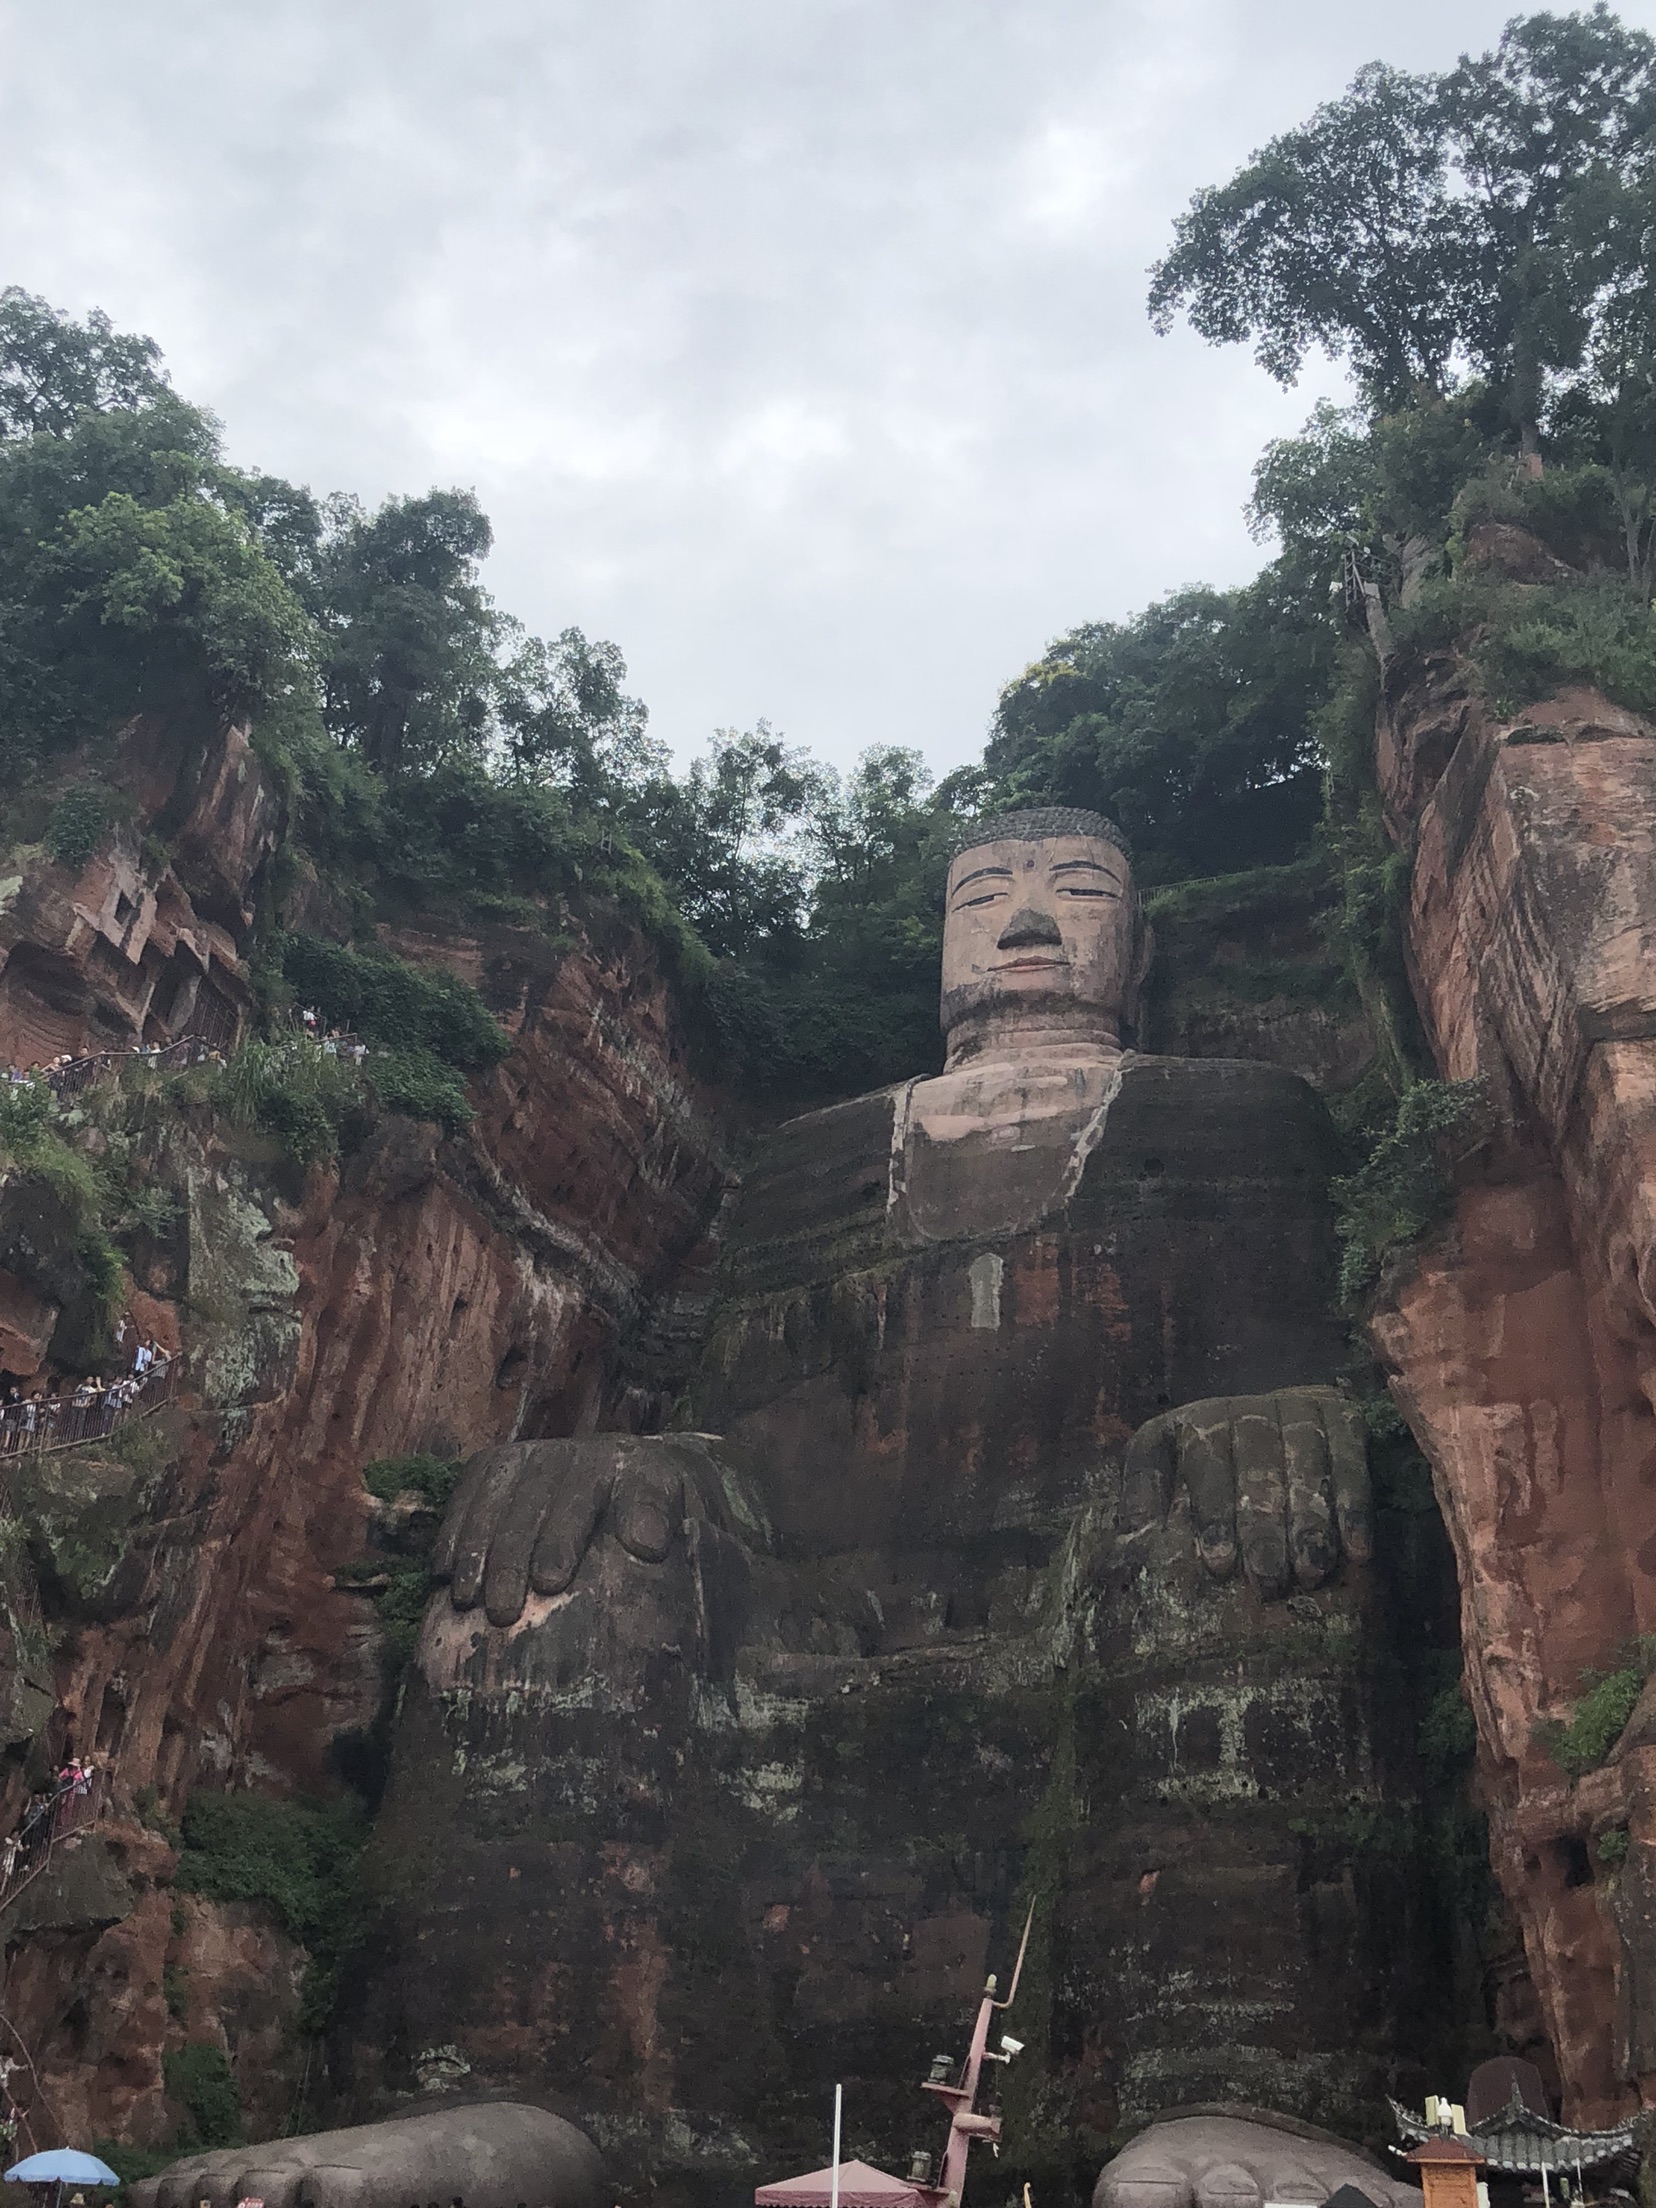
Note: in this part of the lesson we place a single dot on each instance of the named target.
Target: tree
(1190, 725)
(1342, 234)
(1547, 131)
(1380, 488)
(728, 839)
(1427, 221)
(132, 578)
(53, 368)
(564, 714)
(408, 669)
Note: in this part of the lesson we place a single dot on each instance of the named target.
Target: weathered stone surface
(776, 1753)
(124, 950)
(1523, 1346)
(415, 1297)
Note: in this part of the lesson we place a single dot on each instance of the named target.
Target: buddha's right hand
(526, 1514)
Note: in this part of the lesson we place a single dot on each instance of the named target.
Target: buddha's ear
(1138, 967)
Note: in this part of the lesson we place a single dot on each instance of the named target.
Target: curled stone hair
(1040, 823)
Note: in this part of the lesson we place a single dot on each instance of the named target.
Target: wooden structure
(1448, 2169)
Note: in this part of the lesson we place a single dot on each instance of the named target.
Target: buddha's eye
(968, 904)
(1067, 891)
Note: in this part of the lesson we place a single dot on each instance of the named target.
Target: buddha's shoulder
(1215, 1118)
(826, 1177)
(825, 1174)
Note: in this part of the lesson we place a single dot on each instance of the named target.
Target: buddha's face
(1041, 929)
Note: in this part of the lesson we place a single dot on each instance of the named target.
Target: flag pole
(833, 2182)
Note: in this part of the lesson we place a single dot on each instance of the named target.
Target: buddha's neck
(1032, 1039)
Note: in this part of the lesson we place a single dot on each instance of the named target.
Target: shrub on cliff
(300, 1858)
(293, 1090)
(199, 2078)
(1404, 1186)
(432, 1479)
(1597, 1722)
(79, 822)
(385, 1000)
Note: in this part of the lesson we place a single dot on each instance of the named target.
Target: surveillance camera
(1011, 2045)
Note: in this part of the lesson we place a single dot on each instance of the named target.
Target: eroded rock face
(123, 951)
(416, 1297)
(1523, 1346)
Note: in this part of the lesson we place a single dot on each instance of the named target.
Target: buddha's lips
(1028, 965)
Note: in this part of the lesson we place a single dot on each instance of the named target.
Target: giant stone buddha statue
(1016, 1547)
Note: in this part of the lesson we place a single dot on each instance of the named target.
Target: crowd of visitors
(52, 1812)
(335, 1043)
(81, 1413)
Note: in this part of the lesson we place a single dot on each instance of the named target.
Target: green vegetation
(1613, 1847)
(432, 1479)
(1404, 1186)
(301, 1858)
(1448, 1731)
(293, 1090)
(385, 1000)
(79, 822)
(133, 2164)
(397, 1578)
(294, 1855)
(1600, 1716)
(1191, 725)
(198, 2076)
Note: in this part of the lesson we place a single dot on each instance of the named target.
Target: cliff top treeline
(1477, 244)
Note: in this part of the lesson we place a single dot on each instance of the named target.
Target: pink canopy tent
(859, 2187)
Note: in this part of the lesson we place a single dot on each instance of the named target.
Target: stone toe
(1144, 2181)
(1228, 2185)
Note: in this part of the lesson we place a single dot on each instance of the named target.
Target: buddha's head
(1044, 940)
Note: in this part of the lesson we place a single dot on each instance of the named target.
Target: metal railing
(68, 1809)
(62, 1422)
(67, 1080)
(70, 1076)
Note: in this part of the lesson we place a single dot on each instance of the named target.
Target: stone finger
(1311, 1531)
(340, 2185)
(567, 1526)
(1147, 1481)
(506, 1579)
(1349, 1475)
(447, 1544)
(649, 1510)
(1144, 2181)
(1209, 1474)
(1261, 1494)
(489, 1499)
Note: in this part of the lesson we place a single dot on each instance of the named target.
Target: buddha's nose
(1027, 928)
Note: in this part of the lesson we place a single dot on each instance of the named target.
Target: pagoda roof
(1516, 2139)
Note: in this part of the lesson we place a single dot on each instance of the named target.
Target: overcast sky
(797, 345)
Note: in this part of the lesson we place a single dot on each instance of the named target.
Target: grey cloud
(799, 347)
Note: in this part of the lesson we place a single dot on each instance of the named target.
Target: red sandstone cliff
(428, 1294)
(1522, 1344)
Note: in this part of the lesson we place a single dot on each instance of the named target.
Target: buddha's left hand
(1280, 1481)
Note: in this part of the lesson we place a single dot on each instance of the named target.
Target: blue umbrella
(62, 2166)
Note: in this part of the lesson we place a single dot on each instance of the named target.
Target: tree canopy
(1477, 220)
(1190, 725)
